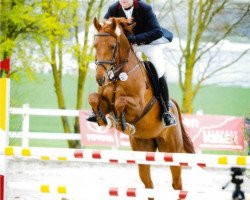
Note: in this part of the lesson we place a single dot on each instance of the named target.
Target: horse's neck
(133, 59)
(137, 66)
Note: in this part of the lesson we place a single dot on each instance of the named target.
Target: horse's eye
(113, 46)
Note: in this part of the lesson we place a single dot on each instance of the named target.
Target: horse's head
(112, 47)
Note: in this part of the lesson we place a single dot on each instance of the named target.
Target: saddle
(153, 78)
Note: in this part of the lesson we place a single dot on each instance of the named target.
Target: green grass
(211, 99)
(40, 94)
(224, 100)
(218, 100)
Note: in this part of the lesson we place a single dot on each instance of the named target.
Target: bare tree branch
(180, 64)
(225, 34)
(214, 13)
(227, 65)
(176, 27)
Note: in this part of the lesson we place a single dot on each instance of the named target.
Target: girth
(145, 111)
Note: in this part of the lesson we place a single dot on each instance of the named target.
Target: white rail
(45, 135)
(25, 133)
(43, 112)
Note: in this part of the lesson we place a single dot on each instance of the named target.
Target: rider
(147, 36)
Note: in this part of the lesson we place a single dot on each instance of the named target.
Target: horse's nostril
(100, 81)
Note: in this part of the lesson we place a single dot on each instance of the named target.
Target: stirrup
(169, 119)
(91, 118)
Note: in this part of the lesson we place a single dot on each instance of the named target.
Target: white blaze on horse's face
(108, 22)
(118, 31)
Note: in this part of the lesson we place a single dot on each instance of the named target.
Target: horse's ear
(113, 24)
(115, 27)
(126, 24)
(97, 24)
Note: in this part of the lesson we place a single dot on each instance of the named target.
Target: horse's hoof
(111, 123)
(130, 129)
(92, 118)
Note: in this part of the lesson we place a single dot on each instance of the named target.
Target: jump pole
(4, 129)
(129, 157)
(76, 192)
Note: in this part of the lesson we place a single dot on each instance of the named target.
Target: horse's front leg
(100, 108)
(121, 104)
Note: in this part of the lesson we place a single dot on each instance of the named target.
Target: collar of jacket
(136, 4)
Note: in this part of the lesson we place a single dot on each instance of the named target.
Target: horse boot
(98, 115)
(92, 117)
(167, 116)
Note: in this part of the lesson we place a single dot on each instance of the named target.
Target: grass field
(40, 94)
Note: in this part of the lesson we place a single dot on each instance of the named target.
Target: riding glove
(131, 38)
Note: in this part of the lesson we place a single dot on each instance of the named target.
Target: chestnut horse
(125, 99)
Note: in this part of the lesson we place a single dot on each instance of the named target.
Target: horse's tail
(187, 142)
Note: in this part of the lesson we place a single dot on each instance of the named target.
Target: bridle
(115, 68)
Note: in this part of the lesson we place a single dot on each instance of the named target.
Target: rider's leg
(167, 115)
(155, 55)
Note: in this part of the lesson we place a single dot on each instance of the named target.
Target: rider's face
(126, 3)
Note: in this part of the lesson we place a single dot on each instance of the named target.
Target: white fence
(102, 156)
(25, 133)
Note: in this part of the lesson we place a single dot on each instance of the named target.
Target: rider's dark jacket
(147, 28)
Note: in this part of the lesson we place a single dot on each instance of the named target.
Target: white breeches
(155, 55)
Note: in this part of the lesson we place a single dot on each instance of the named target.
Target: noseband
(114, 69)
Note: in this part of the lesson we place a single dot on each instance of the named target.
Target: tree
(17, 18)
(84, 53)
(52, 24)
(62, 20)
(203, 41)
(54, 27)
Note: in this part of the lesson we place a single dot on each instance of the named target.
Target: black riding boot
(167, 115)
(92, 117)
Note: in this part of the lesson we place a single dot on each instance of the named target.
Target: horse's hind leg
(172, 144)
(176, 177)
(144, 170)
(145, 176)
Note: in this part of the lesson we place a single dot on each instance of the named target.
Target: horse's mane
(126, 25)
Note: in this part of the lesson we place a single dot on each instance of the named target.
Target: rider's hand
(131, 38)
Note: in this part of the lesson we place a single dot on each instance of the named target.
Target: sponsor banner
(215, 132)
(94, 135)
(210, 132)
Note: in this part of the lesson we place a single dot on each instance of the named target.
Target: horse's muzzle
(100, 81)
